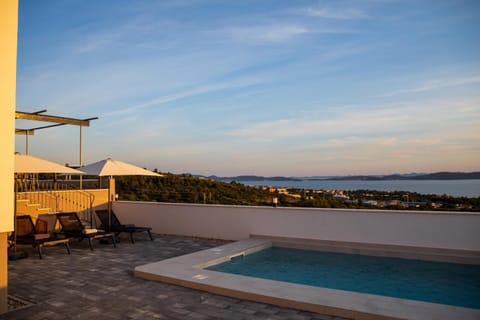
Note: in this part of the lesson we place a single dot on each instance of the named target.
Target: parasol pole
(15, 217)
(81, 158)
(26, 143)
(109, 204)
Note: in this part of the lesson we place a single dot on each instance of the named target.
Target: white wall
(413, 228)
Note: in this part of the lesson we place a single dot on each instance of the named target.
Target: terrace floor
(100, 285)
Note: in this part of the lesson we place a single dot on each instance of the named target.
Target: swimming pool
(193, 271)
(437, 282)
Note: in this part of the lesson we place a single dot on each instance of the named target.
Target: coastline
(469, 188)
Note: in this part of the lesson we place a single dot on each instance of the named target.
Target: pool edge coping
(188, 271)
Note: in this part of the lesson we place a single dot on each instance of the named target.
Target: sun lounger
(25, 233)
(117, 227)
(47, 223)
(72, 228)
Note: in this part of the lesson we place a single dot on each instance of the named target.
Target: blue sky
(255, 87)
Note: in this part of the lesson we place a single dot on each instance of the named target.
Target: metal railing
(56, 196)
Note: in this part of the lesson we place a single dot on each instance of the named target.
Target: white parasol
(28, 164)
(110, 168)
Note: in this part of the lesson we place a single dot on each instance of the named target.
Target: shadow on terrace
(101, 285)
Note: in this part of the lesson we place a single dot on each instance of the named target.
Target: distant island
(253, 178)
(410, 176)
(429, 176)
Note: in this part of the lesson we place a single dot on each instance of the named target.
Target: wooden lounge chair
(117, 227)
(26, 233)
(72, 228)
(47, 223)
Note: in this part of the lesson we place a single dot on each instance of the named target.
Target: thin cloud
(97, 41)
(266, 33)
(184, 94)
(352, 143)
(331, 13)
(436, 84)
(139, 30)
(363, 121)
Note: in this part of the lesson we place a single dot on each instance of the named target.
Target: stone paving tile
(100, 285)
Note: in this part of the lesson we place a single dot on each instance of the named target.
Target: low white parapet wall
(442, 230)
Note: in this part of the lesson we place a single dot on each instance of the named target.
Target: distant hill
(429, 176)
(408, 176)
(189, 189)
(253, 178)
(449, 176)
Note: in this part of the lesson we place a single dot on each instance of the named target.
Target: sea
(457, 188)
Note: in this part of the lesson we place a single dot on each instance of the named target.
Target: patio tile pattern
(100, 285)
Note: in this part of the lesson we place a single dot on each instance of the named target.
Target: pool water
(438, 282)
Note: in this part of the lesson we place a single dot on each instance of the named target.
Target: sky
(292, 88)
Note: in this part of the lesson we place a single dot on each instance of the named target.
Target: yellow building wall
(8, 63)
(8, 69)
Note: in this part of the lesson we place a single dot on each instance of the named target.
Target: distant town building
(341, 197)
(369, 203)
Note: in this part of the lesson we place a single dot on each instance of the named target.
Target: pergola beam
(25, 132)
(47, 118)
